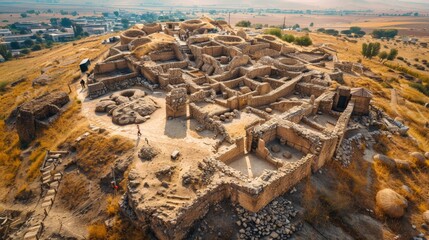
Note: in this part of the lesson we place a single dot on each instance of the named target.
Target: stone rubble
(274, 221)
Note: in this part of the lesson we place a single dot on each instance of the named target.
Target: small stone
(275, 148)
(268, 110)
(287, 155)
(274, 235)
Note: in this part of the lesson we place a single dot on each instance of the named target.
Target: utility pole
(284, 22)
(229, 18)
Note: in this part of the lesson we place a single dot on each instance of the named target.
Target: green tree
(25, 51)
(66, 22)
(384, 33)
(392, 54)
(14, 45)
(4, 52)
(125, 22)
(116, 13)
(295, 26)
(78, 31)
(36, 47)
(49, 43)
(383, 55)
(311, 24)
(24, 15)
(370, 50)
(243, 23)
(28, 43)
(355, 29)
(54, 21)
(364, 49)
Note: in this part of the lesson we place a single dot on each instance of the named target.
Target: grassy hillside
(61, 65)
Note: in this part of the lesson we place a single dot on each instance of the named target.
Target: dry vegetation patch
(96, 153)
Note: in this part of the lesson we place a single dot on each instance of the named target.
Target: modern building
(5, 32)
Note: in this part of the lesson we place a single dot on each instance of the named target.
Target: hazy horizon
(379, 5)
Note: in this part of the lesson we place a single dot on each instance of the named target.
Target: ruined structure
(38, 113)
(275, 118)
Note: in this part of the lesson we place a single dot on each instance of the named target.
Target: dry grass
(97, 152)
(73, 185)
(112, 205)
(61, 63)
(97, 231)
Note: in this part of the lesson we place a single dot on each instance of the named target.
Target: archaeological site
(199, 130)
(269, 114)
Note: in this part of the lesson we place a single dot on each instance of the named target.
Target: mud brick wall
(250, 49)
(361, 105)
(326, 152)
(112, 82)
(309, 89)
(344, 66)
(259, 72)
(272, 96)
(274, 83)
(226, 156)
(162, 55)
(178, 228)
(287, 176)
(285, 105)
(266, 52)
(214, 51)
(295, 139)
(343, 121)
(107, 67)
(178, 64)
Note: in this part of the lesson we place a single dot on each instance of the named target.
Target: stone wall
(107, 67)
(275, 94)
(39, 110)
(175, 102)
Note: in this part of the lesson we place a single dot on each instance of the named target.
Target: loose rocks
(273, 221)
(391, 203)
(147, 153)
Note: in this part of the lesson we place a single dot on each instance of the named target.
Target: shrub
(97, 231)
(384, 33)
(392, 54)
(303, 41)
(288, 38)
(3, 85)
(25, 51)
(36, 47)
(243, 23)
(274, 31)
(370, 50)
(421, 88)
(28, 43)
(383, 55)
(14, 45)
(332, 32)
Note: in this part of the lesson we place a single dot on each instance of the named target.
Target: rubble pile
(275, 221)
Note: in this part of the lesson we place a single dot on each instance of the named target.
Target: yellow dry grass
(96, 153)
(411, 111)
(61, 63)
